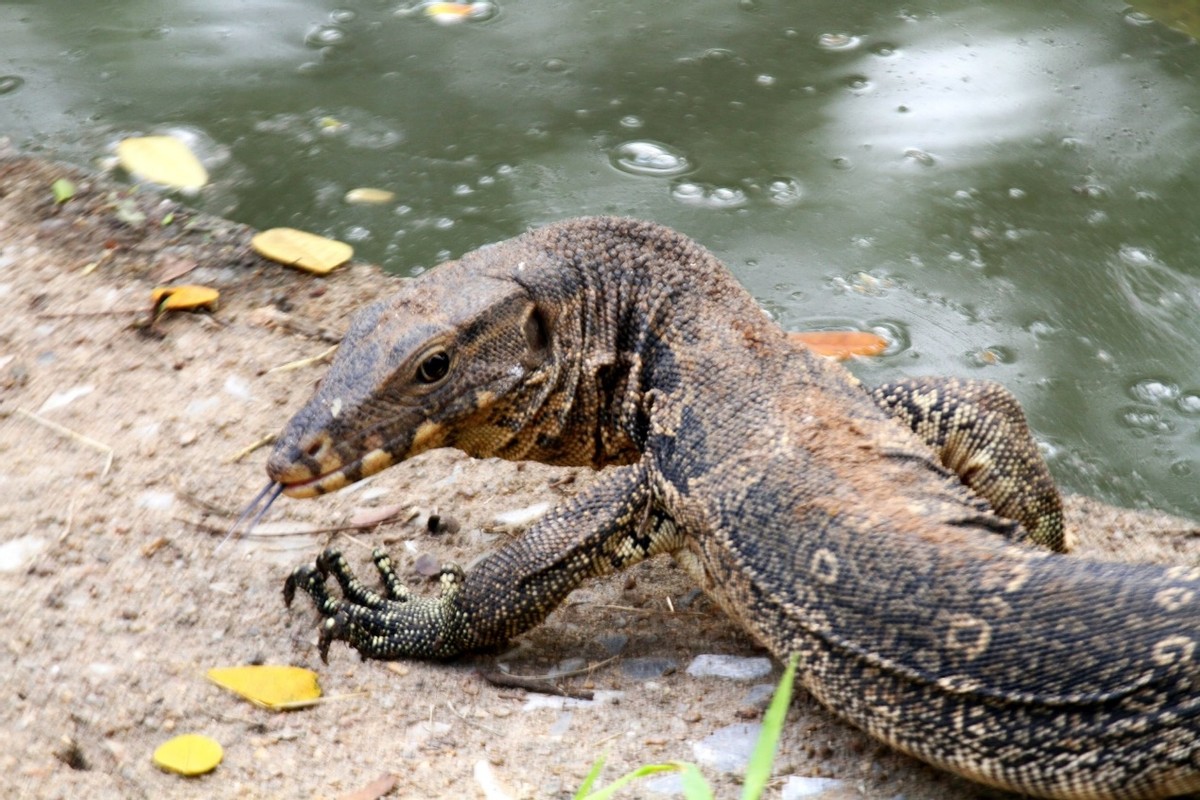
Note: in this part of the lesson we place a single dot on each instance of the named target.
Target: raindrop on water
(649, 158)
(325, 36)
(1152, 390)
(838, 41)
(784, 191)
(10, 83)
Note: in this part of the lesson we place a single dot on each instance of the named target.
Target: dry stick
(248, 449)
(304, 362)
(531, 685)
(70, 434)
(397, 517)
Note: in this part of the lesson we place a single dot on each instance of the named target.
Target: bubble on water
(884, 49)
(342, 15)
(631, 122)
(356, 233)
(838, 41)
(1146, 420)
(10, 83)
(1153, 390)
(1182, 469)
(326, 36)
(765, 80)
(645, 157)
(708, 196)
(443, 223)
(158, 32)
(991, 356)
(1139, 19)
(1136, 256)
(719, 55)
(785, 191)
(915, 155)
(841, 162)
(1016, 194)
(554, 65)
(857, 83)
(1189, 403)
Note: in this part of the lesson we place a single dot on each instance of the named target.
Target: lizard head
(443, 362)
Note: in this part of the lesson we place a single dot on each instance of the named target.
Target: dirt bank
(116, 598)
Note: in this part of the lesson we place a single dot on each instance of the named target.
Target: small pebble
(728, 749)
(613, 643)
(519, 518)
(738, 668)
(15, 554)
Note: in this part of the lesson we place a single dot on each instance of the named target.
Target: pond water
(1006, 189)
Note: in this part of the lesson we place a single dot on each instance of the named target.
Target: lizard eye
(434, 367)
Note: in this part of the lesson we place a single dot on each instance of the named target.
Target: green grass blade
(758, 771)
(625, 780)
(694, 785)
(592, 775)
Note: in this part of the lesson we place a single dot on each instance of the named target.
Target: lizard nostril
(314, 448)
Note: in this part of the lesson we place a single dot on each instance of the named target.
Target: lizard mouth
(340, 476)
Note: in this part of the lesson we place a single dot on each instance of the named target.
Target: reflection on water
(1005, 190)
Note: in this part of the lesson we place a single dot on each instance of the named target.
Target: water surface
(1006, 189)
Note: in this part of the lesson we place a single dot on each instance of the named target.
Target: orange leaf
(840, 344)
(188, 297)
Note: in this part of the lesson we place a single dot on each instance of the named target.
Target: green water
(1007, 189)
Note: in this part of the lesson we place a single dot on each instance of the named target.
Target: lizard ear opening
(537, 332)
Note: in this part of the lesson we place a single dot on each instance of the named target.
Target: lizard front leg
(612, 525)
(979, 433)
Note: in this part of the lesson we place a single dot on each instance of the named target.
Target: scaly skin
(830, 523)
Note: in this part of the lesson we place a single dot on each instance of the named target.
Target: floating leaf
(63, 190)
(300, 249)
(274, 687)
(840, 344)
(448, 12)
(162, 159)
(366, 196)
(189, 754)
(188, 297)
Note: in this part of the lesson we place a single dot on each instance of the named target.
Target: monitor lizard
(901, 541)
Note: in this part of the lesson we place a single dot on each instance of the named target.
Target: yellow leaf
(366, 196)
(840, 344)
(189, 754)
(274, 687)
(187, 297)
(448, 11)
(162, 159)
(301, 249)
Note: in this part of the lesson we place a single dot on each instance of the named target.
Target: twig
(70, 434)
(590, 668)
(247, 450)
(304, 362)
(532, 685)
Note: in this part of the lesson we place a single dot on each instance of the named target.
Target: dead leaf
(269, 686)
(172, 266)
(367, 196)
(373, 790)
(301, 249)
(186, 297)
(189, 754)
(162, 159)
(840, 344)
